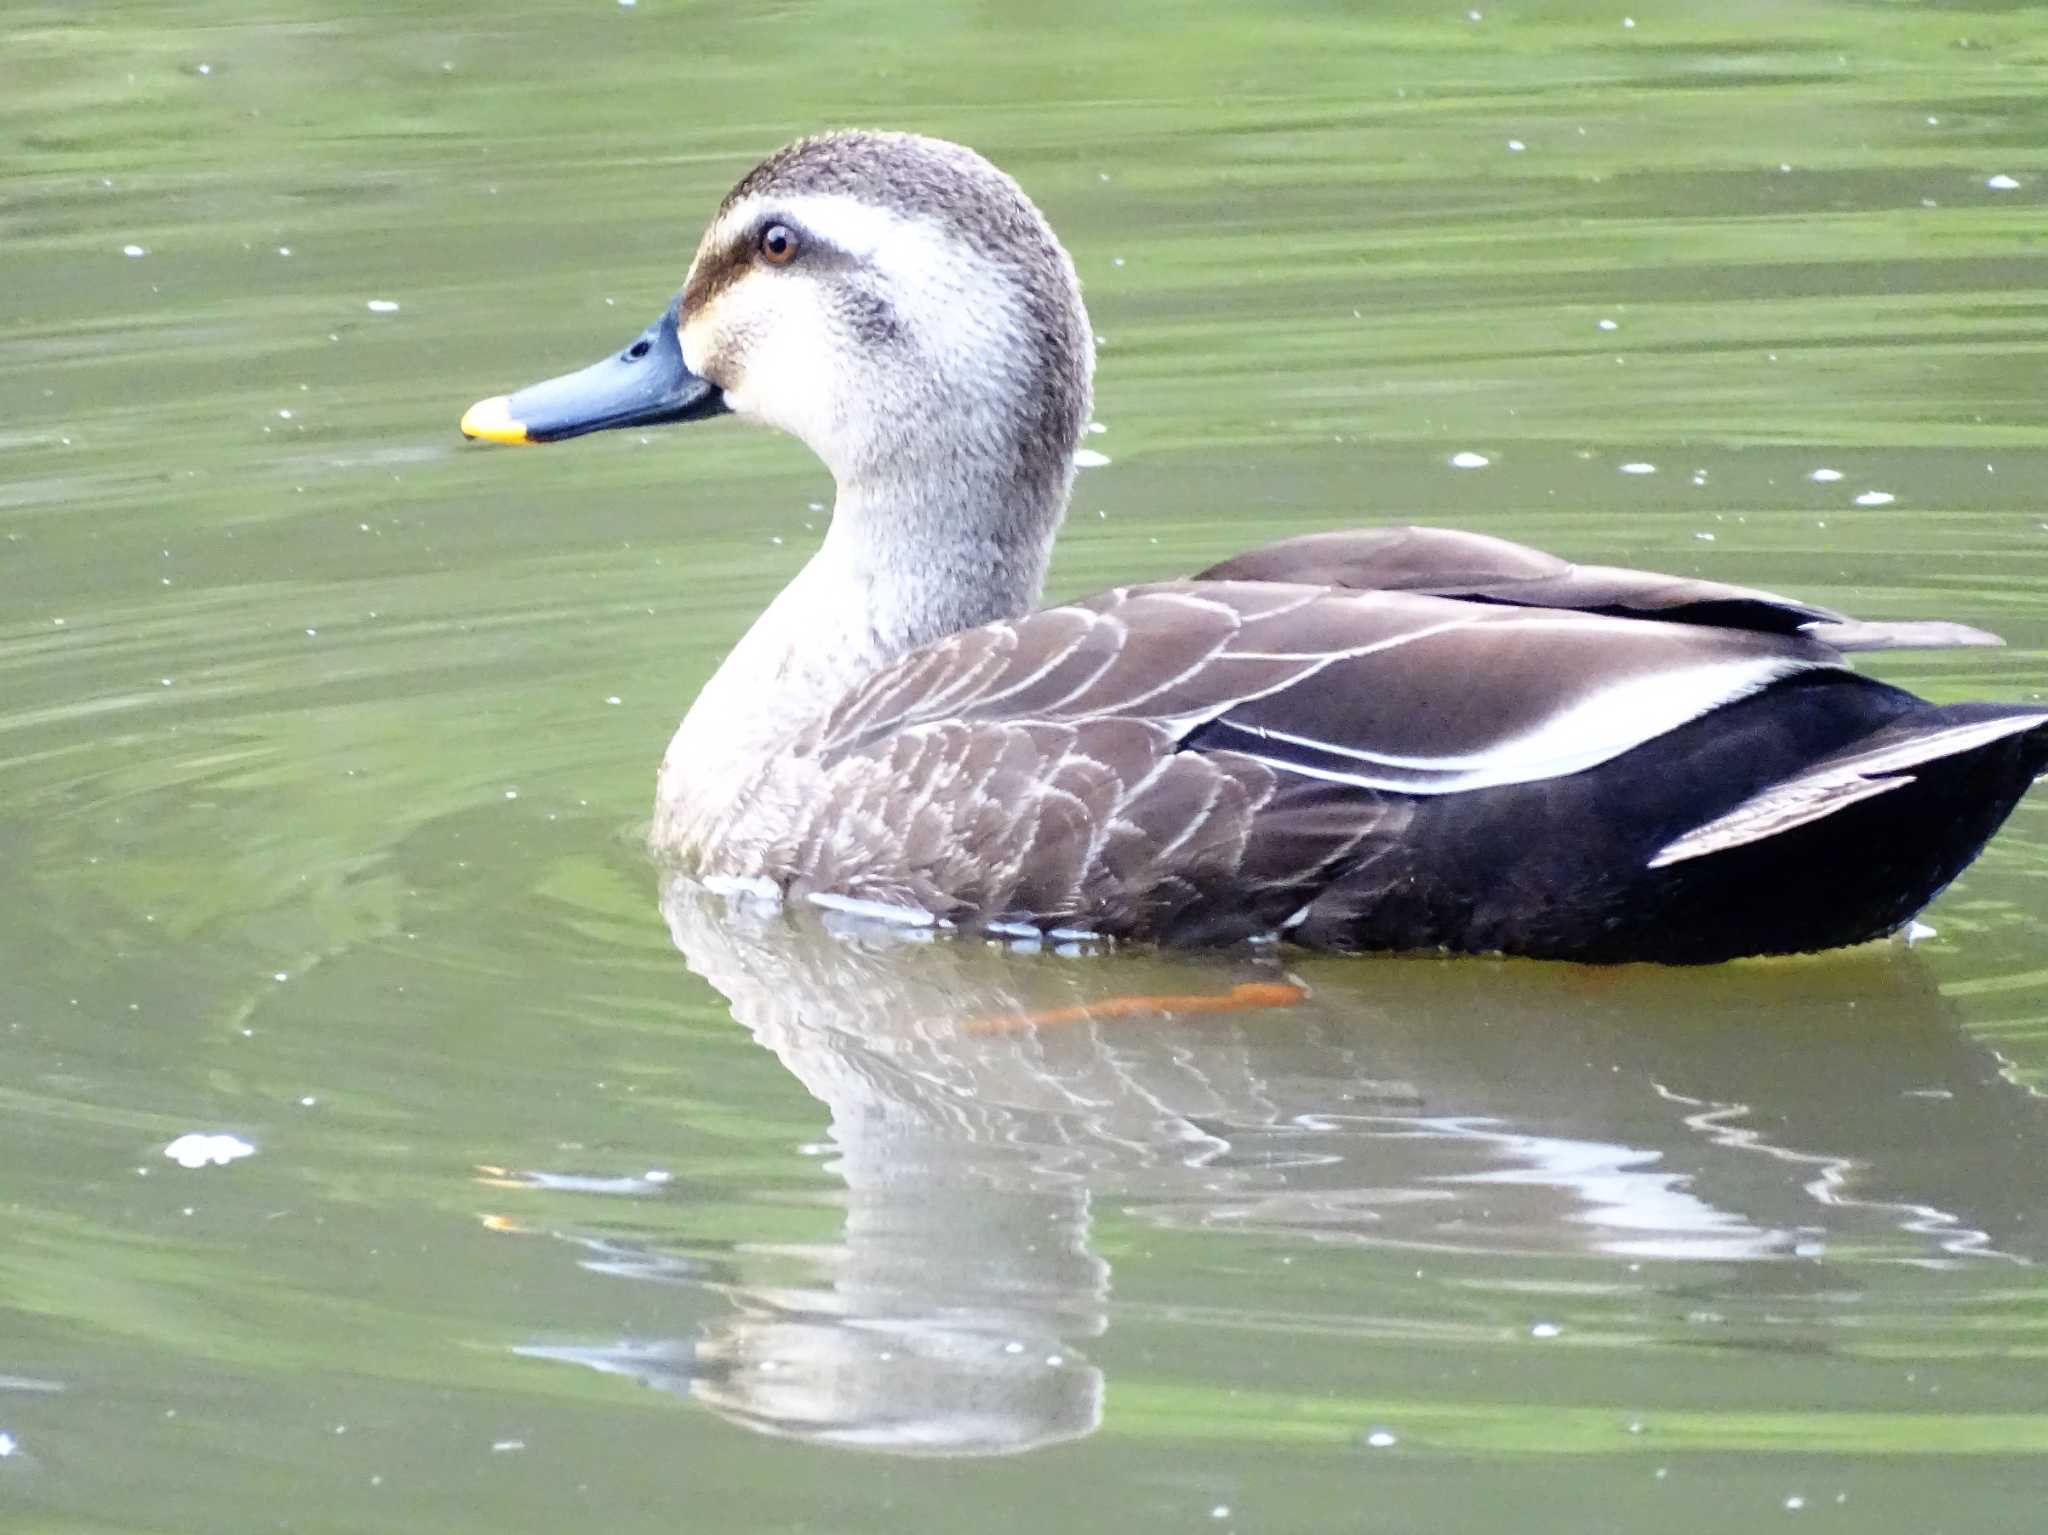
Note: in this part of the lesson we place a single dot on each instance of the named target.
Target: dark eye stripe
(715, 275)
(721, 270)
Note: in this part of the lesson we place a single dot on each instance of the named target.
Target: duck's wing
(1204, 752)
(1213, 759)
(1385, 690)
(1473, 567)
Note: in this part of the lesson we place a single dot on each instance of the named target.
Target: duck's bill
(647, 384)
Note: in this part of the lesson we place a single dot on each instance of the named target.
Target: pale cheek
(696, 353)
(783, 358)
(780, 368)
(712, 350)
(788, 383)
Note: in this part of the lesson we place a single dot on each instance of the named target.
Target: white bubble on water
(1469, 460)
(196, 1149)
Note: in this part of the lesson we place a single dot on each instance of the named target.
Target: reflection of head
(923, 1386)
(915, 1386)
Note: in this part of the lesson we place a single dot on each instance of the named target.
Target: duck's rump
(1574, 867)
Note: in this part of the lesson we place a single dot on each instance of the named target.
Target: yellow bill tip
(492, 421)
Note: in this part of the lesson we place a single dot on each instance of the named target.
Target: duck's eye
(778, 244)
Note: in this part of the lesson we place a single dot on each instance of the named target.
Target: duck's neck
(899, 568)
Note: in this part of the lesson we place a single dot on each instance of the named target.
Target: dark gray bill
(646, 384)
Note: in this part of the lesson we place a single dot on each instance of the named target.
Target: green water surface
(326, 741)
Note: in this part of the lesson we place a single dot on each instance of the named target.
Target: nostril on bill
(638, 349)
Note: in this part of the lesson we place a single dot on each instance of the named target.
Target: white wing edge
(1614, 720)
(1912, 634)
(1835, 784)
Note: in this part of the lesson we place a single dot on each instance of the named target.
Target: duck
(1367, 739)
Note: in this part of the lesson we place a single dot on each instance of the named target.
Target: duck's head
(895, 302)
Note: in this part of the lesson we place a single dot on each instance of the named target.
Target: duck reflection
(1807, 1116)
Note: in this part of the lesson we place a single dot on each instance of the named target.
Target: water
(325, 742)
